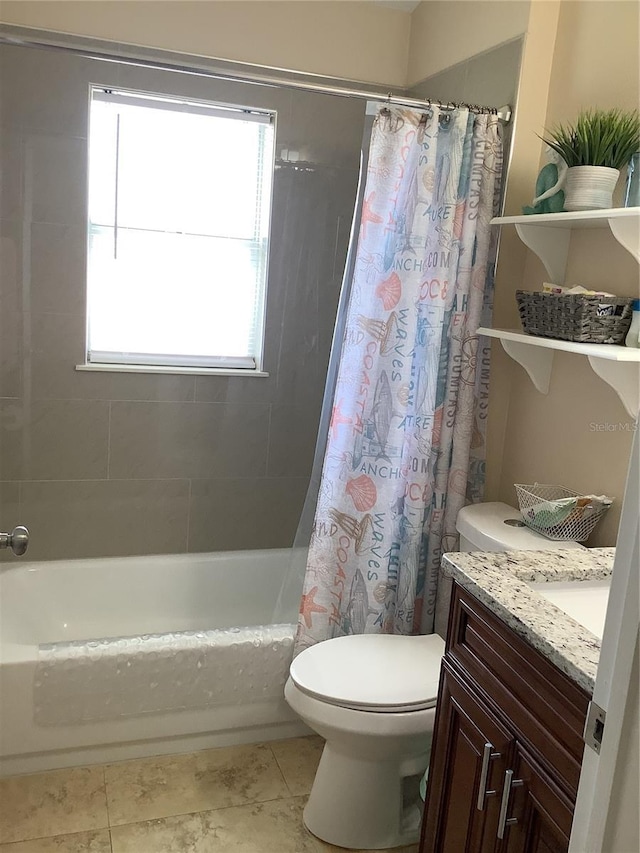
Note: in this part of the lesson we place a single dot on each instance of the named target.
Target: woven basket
(571, 317)
(577, 526)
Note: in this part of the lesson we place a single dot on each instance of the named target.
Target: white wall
(356, 40)
(622, 832)
(551, 438)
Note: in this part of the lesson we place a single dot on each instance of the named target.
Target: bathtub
(108, 659)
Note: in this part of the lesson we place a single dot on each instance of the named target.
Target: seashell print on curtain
(406, 444)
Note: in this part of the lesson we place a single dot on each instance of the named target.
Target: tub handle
(17, 540)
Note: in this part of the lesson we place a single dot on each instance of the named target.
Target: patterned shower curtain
(406, 443)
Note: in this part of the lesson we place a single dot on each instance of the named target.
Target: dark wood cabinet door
(504, 707)
(541, 811)
(534, 698)
(468, 738)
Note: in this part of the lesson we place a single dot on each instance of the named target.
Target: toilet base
(358, 803)
(366, 791)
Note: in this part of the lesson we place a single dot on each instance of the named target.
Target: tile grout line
(280, 770)
(109, 443)
(106, 797)
(186, 546)
(38, 838)
(267, 459)
(201, 812)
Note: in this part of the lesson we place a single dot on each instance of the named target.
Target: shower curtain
(405, 449)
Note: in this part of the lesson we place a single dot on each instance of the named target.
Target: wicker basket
(576, 526)
(571, 317)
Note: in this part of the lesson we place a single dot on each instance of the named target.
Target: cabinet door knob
(487, 755)
(503, 820)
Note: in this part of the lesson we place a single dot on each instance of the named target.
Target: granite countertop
(499, 581)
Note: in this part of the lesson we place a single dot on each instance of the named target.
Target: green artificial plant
(598, 138)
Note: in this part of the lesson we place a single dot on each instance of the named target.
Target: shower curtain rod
(504, 113)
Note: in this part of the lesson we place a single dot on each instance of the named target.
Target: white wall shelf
(548, 234)
(618, 366)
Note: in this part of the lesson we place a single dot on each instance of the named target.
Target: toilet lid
(372, 672)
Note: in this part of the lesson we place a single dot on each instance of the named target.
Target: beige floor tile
(81, 842)
(273, 827)
(178, 784)
(53, 803)
(298, 759)
(166, 835)
(322, 847)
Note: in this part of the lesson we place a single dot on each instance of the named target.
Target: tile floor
(241, 799)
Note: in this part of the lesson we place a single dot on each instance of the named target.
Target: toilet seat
(381, 673)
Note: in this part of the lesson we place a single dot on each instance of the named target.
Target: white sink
(584, 601)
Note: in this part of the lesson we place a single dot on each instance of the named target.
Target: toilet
(372, 697)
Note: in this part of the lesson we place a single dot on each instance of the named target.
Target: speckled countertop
(499, 581)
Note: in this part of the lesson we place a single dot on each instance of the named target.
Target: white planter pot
(589, 187)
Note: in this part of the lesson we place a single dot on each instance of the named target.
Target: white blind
(179, 206)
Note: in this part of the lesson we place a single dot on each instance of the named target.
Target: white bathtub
(174, 613)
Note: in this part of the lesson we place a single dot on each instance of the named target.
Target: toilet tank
(499, 527)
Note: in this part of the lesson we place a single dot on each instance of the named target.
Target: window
(179, 207)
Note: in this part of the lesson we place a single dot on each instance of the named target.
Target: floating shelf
(548, 234)
(618, 366)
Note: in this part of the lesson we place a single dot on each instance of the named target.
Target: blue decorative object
(549, 193)
(632, 190)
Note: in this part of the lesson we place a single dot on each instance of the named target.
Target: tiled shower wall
(104, 464)
(489, 79)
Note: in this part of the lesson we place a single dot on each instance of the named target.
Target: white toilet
(372, 698)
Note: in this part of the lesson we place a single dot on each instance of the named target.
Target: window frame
(192, 364)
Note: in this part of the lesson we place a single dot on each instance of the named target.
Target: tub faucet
(17, 540)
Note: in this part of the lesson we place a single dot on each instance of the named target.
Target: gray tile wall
(489, 79)
(102, 464)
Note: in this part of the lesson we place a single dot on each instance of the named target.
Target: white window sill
(164, 368)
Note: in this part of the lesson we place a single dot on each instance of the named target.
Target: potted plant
(595, 148)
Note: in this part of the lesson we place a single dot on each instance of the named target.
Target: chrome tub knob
(17, 540)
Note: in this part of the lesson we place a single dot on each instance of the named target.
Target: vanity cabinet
(507, 745)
